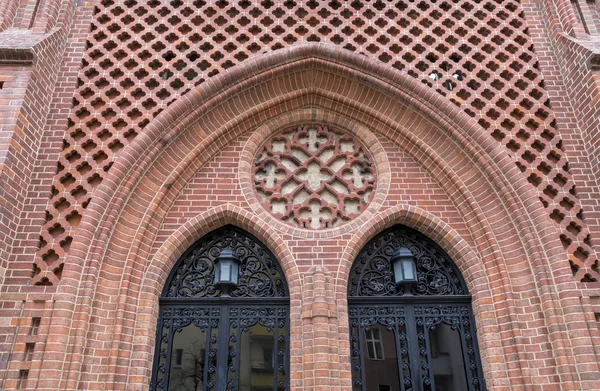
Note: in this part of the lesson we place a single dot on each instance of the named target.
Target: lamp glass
(405, 270)
(398, 272)
(217, 271)
(225, 272)
(235, 267)
(226, 268)
(408, 269)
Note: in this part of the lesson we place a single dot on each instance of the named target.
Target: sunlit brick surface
(143, 55)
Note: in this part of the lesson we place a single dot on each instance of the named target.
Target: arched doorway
(220, 334)
(411, 329)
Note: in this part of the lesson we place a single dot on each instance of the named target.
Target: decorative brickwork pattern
(313, 177)
(143, 55)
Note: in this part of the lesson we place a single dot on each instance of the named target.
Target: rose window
(314, 177)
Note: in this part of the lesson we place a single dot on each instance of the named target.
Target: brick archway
(116, 236)
(475, 270)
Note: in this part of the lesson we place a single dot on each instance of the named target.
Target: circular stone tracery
(314, 177)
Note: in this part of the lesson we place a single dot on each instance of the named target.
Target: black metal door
(236, 345)
(210, 340)
(425, 347)
(417, 337)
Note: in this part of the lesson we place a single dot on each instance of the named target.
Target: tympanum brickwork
(314, 177)
(143, 55)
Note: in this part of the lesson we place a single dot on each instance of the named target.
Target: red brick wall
(574, 91)
(15, 79)
(138, 65)
(35, 98)
(142, 174)
(507, 264)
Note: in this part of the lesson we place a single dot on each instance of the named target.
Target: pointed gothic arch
(420, 337)
(210, 338)
(117, 237)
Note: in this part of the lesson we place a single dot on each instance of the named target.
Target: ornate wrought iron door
(427, 336)
(210, 341)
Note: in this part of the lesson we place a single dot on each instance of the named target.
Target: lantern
(227, 268)
(405, 269)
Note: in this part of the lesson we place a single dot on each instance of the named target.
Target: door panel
(432, 349)
(251, 355)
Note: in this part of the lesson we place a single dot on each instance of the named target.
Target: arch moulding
(159, 266)
(116, 237)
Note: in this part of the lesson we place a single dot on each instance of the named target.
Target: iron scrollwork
(439, 297)
(372, 273)
(204, 337)
(260, 275)
(393, 319)
(173, 321)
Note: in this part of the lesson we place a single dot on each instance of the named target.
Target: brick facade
(130, 128)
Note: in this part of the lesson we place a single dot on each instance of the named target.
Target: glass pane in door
(380, 359)
(193, 359)
(257, 350)
(447, 362)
